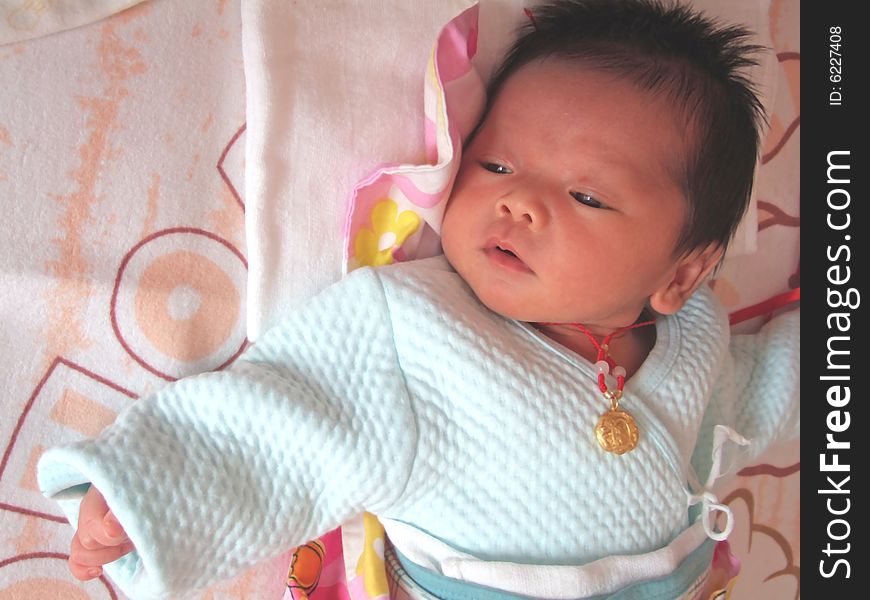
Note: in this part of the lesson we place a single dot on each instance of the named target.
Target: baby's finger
(98, 526)
(83, 572)
(112, 528)
(81, 556)
(91, 512)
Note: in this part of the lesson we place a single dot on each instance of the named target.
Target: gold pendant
(616, 431)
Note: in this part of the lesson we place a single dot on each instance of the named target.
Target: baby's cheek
(453, 230)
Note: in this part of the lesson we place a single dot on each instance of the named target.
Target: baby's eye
(496, 168)
(587, 200)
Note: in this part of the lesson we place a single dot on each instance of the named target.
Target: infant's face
(567, 207)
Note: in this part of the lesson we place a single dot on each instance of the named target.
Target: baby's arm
(758, 393)
(216, 472)
(99, 538)
(767, 373)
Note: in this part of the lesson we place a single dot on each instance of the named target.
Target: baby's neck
(629, 349)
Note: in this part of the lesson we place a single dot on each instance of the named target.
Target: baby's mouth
(505, 256)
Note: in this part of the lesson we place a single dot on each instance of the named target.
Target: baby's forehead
(612, 113)
(544, 77)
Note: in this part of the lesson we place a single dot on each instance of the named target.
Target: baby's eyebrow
(604, 161)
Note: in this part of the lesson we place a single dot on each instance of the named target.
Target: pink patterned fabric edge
(391, 210)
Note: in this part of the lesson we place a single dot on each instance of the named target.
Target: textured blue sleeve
(767, 374)
(758, 393)
(219, 471)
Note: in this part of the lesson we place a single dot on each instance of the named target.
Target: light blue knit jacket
(395, 391)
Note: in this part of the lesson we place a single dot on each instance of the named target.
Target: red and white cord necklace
(616, 430)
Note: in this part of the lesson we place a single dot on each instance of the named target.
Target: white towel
(333, 90)
(25, 19)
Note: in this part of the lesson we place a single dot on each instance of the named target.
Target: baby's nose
(524, 208)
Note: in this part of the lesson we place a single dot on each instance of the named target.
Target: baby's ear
(689, 272)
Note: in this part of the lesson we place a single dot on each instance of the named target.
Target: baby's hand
(99, 539)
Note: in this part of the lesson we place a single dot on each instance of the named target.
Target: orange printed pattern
(122, 157)
(305, 569)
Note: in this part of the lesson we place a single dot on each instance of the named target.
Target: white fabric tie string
(710, 503)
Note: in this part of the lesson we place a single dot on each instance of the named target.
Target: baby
(510, 399)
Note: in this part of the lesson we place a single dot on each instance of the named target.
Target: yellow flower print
(374, 247)
(371, 563)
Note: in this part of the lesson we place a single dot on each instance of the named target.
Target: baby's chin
(509, 308)
(505, 301)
